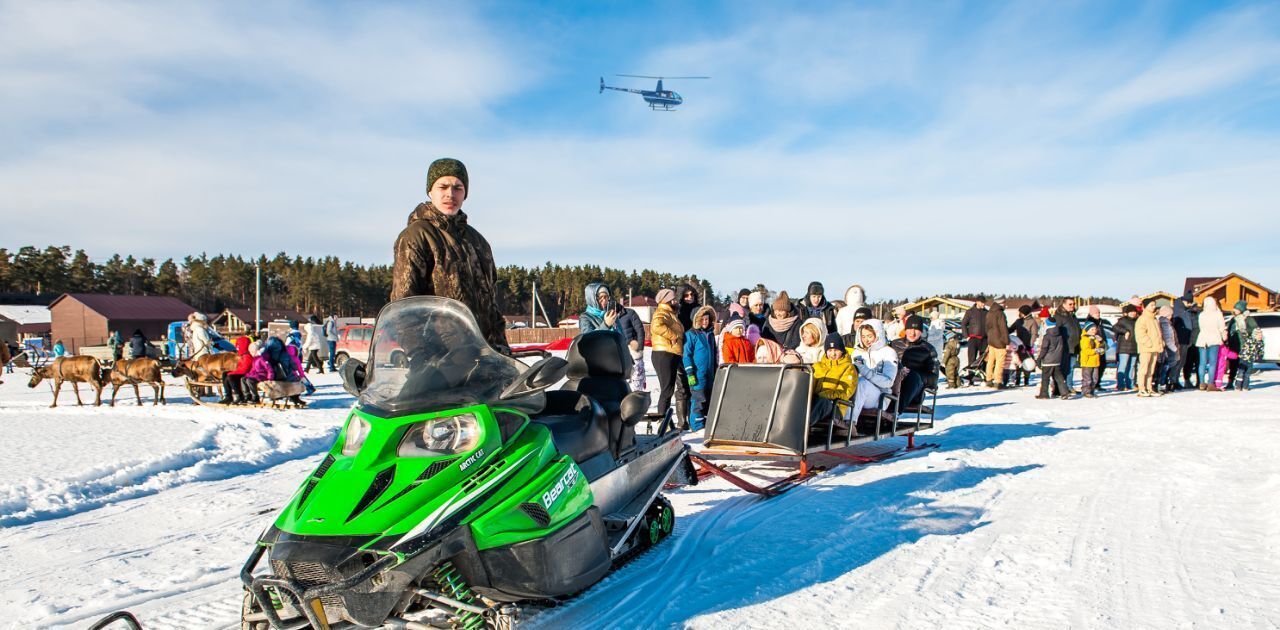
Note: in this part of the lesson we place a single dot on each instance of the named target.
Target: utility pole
(257, 297)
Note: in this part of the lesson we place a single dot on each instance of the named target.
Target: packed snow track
(1118, 512)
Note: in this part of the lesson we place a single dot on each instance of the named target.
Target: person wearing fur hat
(701, 357)
(757, 310)
(734, 345)
(834, 378)
(815, 305)
(920, 359)
(783, 325)
(668, 350)
(438, 253)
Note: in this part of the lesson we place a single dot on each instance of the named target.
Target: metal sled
(762, 412)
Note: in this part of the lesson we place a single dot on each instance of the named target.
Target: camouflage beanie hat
(445, 167)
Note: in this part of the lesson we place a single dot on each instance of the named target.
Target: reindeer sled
(203, 379)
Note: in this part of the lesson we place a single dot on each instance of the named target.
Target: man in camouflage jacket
(439, 254)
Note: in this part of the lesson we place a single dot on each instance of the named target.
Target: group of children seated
(851, 372)
(262, 358)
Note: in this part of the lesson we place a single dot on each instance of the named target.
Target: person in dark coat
(997, 332)
(1050, 358)
(439, 254)
(689, 303)
(974, 327)
(1186, 326)
(632, 330)
(1070, 324)
(137, 345)
(921, 360)
(1126, 336)
(815, 305)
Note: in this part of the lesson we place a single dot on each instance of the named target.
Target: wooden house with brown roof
(1231, 288)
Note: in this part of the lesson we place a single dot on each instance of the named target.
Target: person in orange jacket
(734, 347)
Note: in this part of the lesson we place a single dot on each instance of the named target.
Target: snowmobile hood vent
(379, 485)
(315, 478)
(536, 512)
(434, 469)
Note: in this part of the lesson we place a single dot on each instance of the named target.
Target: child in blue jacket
(700, 360)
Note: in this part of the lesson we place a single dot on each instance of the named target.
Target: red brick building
(86, 319)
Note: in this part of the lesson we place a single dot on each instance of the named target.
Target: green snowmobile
(459, 485)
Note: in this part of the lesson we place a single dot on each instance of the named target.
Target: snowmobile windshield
(428, 355)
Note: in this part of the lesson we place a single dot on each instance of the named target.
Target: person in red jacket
(734, 347)
(232, 381)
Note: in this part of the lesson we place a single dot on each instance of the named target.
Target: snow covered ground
(1118, 512)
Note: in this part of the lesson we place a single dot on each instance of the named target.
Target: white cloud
(1012, 182)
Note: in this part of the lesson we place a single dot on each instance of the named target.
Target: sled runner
(764, 413)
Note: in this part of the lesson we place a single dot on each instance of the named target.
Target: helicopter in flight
(657, 98)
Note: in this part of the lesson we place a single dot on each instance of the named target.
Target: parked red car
(353, 341)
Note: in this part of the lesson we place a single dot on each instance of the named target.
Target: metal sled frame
(811, 457)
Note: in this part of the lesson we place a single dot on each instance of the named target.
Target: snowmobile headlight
(442, 436)
(357, 431)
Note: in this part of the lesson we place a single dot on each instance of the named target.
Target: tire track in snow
(221, 451)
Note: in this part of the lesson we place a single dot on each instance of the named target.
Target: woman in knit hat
(757, 311)
(783, 325)
(440, 254)
(668, 347)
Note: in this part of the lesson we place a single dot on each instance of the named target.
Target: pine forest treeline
(309, 285)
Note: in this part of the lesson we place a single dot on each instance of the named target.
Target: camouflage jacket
(442, 255)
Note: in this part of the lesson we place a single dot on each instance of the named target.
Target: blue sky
(911, 147)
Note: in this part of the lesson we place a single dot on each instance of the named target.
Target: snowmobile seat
(600, 366)
(578, 425)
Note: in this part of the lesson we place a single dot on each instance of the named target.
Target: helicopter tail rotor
(602, 85)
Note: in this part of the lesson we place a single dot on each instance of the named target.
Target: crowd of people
(1159, 349)
(856, 357)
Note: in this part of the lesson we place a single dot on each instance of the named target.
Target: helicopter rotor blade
(645, 76)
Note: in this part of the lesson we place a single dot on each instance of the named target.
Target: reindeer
(75, 370)
(134, 371)
(206, 369)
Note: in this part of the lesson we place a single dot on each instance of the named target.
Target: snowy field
(1118, 512)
